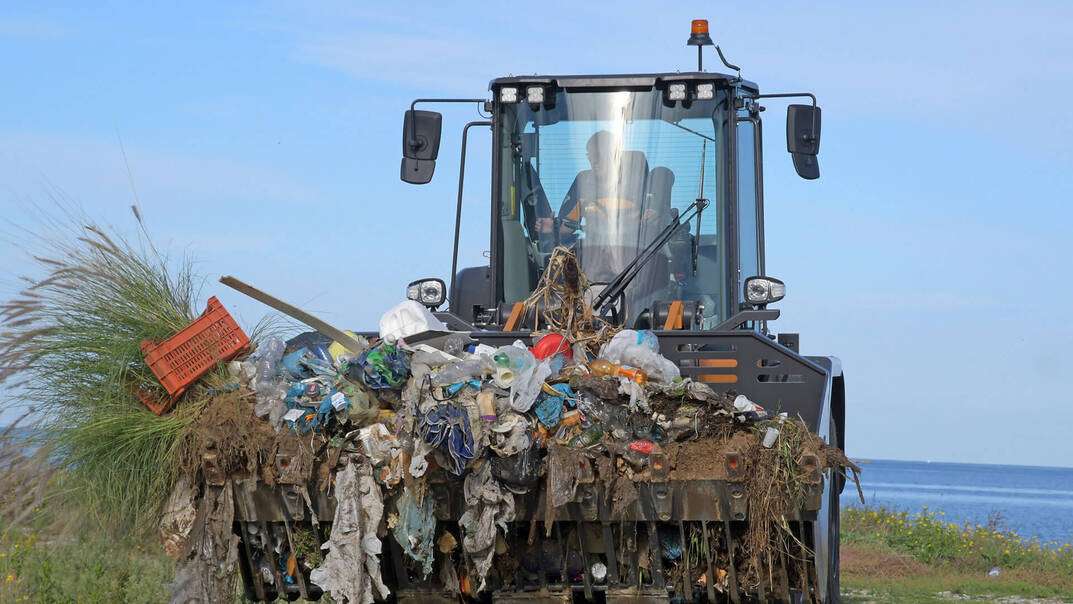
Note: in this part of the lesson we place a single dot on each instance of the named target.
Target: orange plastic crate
(179, 361)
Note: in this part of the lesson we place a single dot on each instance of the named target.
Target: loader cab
(605, 165)
(602, 164)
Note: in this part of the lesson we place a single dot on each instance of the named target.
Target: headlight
(508, 94)
(676, 92)
(427, 292)
(764, 290)
(534, 95)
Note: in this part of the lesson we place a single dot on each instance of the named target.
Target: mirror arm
(414, 144)
(786, 95)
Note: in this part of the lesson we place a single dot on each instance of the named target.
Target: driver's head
(603, 149)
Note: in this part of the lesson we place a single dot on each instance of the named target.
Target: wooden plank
(674, 316)
(294, 312)
(515, 316)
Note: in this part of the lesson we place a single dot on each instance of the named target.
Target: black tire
(834, 580)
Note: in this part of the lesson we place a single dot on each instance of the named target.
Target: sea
(1034, 502)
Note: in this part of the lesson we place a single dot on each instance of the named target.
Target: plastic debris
(392, 424)
(549, 409)
(406, 319)
(206, 571)
(747, 410)
(351, 567)
(383, 366)
(488, 507)
(178, 518)
(771, 434)
(447, 427)
(416, 528)
(640, 349)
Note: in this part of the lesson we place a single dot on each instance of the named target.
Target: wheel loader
(655, 182)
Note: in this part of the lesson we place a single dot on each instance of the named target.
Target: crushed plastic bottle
(269, 387)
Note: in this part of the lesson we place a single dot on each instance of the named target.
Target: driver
(601, 182)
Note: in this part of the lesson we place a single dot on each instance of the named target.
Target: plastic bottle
(604, 368)
(461, 371)
(268, 364)
(514, 357)
(453, 345)
(588, 438)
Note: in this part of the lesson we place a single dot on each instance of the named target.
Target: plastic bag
(383, 366)
(640, 349)
(447, 427)
(526, 386)
(378, 442)
(416, 530)
(549, 409)
(406, 319)
(519, 471)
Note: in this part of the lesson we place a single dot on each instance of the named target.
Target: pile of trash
(422, 403)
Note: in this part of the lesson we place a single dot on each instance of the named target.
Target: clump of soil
(704, 459)
(227, 429)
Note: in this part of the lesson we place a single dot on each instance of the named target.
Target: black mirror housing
(420, 145)
(803, 139)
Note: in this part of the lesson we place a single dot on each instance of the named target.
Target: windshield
(604, 173)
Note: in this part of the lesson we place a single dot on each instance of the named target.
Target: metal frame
(458, 206)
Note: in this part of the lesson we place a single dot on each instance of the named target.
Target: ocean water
(1035, 502)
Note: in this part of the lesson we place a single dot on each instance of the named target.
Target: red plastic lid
(550, 345)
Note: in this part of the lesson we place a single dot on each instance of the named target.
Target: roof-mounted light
(508, 94)
(698, 33)
(676, 91)
(705, 91)
(534, 95)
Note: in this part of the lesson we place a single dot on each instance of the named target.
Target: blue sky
(264, 139)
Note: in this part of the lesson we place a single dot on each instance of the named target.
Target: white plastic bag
(526, 385)
(406, 319)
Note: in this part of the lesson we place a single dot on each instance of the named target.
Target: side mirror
(803, 139)
(420, 145)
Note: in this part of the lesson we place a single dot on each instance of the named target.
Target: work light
(534, 94)
(428, 292)
(764, 290)
(705, 91)
(676, 92)
(508, 94)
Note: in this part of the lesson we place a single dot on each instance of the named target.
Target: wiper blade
(622, 280)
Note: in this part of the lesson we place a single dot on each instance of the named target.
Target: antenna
(702, 202)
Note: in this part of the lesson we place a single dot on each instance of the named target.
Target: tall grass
(69, 347)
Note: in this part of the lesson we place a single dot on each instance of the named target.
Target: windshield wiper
(622, 280)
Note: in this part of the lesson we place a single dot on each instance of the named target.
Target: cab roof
(633, 80)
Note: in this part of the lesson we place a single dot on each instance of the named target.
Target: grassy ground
(895, 557)
(81, 570)
(886, 557)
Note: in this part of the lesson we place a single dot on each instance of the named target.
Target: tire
(833, 587)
